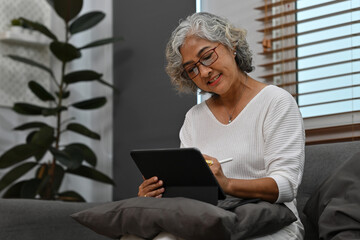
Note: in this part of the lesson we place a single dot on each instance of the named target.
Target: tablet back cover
(177, 167)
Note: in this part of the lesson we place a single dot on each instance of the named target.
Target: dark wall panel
(148, 113)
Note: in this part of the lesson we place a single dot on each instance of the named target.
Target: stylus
(225, 160)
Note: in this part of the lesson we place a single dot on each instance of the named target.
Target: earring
(234, 53)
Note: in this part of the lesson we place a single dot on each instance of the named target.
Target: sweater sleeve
(185, 133)
(284, 141)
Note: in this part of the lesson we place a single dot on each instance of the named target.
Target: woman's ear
(234, 51)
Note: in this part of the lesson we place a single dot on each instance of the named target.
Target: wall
(148, 113)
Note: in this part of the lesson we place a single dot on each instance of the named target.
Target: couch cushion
(334, 207)
(320, 162)
(23, 219)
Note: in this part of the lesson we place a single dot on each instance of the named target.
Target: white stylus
(225, 160)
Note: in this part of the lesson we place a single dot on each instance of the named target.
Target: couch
(321, 161)
(24, 219)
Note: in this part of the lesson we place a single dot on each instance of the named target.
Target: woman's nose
(204, 70)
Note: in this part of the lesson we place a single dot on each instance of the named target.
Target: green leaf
(30, 109)
(91, 173)
(58, 177)
(108, 84)
(15, 174)
(102, 42)
(17, 154)
(81, 76)
(62, 157)
(30, 125)
(75, 155)
(41, 140)
(30, 136)
(14, 191)
(68, 157)
(38, 27)
(30, 188)
(64, 94)
(65, 52)
(44, 137)
(86, 21)
(23, 189)
(42, 174)
(27, 109)
(91, 103)
(78, 128)
(40, 91)
(16, 22)
(42, 190)
(71, 196)
(52, 111)
(87, 154)
(67, 9)
(31, 63)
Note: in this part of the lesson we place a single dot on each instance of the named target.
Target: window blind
(312, 49)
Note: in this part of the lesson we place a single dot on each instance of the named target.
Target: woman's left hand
(217, 171)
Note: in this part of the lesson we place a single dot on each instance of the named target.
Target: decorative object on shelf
(44, 139)
(266, 43)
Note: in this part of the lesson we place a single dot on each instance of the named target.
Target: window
(313, 51)
(333, 56)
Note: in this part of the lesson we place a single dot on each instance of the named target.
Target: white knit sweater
(265, 140)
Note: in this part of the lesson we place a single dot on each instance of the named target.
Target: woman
(258, 125)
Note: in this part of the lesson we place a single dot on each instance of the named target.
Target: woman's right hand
(151, 187)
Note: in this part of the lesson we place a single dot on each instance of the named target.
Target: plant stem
(50, 192)
(58, 124)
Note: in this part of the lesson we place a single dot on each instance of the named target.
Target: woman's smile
(215, 80)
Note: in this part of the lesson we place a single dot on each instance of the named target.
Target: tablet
(183, 171)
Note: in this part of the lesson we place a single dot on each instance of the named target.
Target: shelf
(20, 35)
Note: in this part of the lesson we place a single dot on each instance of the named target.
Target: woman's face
(220, 75)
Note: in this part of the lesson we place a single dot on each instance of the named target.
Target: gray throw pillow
(185, 218)
(334, 207)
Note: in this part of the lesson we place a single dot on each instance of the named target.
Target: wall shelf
(21, 35)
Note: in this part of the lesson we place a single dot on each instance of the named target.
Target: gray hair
(212, 28)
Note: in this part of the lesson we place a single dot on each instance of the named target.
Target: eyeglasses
(208, 58)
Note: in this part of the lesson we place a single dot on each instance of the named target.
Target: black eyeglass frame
(185, 74)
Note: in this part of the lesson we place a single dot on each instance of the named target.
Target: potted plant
(72, 158)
